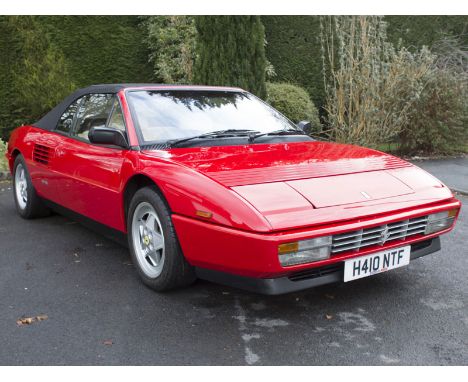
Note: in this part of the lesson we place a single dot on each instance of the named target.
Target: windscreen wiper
(252, 137)
(214, 134)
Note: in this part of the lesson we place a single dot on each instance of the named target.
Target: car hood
(264, 163)
(289, 183)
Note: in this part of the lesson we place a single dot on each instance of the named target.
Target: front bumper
(309, 278)
(255, 255)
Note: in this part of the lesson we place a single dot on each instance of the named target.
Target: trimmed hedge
(95, 49)
(294, 51)
(416, 31)
(100, 49)
(231, 52)
(294, 102)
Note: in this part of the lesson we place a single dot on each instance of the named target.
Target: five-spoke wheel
(153, 242)
(28, 204)
(21, 186)
(148, 239)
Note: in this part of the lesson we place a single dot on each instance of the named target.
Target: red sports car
(211, 182)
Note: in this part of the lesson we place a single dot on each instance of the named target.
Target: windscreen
(176, 114)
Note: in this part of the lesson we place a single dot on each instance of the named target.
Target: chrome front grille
(400, 230)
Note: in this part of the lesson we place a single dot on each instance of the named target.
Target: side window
(116, 119)
(93, 112)
(65, 123)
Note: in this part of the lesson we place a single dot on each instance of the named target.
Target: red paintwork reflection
(261, 163)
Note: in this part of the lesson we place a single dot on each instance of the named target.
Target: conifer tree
(231, 52)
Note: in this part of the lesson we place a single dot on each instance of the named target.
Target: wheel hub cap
(148, 239)
(21, 186)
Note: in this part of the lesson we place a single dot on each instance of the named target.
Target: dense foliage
(390, 89)
(376, 93)
(294, 44)
(294, 50)
(294, 102)
(413, 32)
(44, 57)
(100, 49)
(3, 160)
(39, 77)
(438, 119)
(231, 52)
(171, 46)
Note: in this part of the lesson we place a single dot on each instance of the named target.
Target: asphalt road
(452, 171)
(98, 312)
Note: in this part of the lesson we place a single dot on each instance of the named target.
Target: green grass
(394, 148)
(391, 148)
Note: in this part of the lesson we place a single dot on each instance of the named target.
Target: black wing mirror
(305, 126)
(107, 136)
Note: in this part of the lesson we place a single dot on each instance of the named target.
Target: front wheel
(28, 204)
(153, 243)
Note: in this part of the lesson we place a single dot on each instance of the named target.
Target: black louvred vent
(41, 154)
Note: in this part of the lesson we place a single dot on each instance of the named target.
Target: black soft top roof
(50, 120)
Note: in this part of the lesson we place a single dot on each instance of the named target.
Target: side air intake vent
(41, 154)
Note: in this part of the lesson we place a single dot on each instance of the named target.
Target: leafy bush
(171, 43)
(365, 80)
(378, 94)
(3, 160)
(438, 119)
(294, 102)
(294, 46)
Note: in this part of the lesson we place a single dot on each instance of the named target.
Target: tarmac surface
(89, 308)
(452, 171)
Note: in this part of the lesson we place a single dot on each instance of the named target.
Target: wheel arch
(135, 183)
(12, 158)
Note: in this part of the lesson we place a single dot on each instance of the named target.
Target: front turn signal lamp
(440, 221)
(305, 251)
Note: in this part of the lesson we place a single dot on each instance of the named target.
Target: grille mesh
(400, 230)
(41, 154)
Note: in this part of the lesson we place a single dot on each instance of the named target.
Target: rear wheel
(28, 204)
(153, 243)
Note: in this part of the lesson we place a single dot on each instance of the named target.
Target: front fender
(188, 191)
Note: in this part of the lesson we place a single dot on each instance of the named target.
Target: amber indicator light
(204, 214)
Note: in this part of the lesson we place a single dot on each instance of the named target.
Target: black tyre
(28, 204)
(153, 243)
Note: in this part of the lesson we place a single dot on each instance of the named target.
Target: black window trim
(72, 127)
(71, 134)
(123, 116)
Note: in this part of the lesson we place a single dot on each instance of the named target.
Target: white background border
(254, 7)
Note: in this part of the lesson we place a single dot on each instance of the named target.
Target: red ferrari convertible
(211, 182)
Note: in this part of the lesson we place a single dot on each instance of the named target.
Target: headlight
(440, 221)
(304, 251)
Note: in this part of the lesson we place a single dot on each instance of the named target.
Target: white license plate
(379, 262)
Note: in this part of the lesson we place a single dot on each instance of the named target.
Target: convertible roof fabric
(49, 121)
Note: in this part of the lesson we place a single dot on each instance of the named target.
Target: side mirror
(107, 136)
(305, 126)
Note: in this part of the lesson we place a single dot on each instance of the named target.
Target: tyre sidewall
(27, 211)
(174, 261)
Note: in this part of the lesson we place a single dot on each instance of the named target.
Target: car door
(92, 172)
